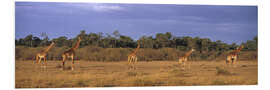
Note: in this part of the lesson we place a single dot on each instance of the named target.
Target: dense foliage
(166, 40)
(115, 47)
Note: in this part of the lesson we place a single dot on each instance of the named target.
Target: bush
(94, 53)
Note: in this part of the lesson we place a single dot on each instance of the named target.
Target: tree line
(116, 47)
(116, 40)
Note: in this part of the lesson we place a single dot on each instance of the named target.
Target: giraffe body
(70, 54)
(42, 55)
(183, 59)
(232, 56)
(132, 58)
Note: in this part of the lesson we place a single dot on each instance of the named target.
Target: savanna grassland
(117, 74)
(101, 61)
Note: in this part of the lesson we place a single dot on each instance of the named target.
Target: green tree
(116, 36)
(61, 41)
(45, 41)
(36, 41)
(28, 40)
(251, 44)
(84, 38)
(125, 41)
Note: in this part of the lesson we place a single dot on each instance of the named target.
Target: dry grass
(120, 54)
(111, 74)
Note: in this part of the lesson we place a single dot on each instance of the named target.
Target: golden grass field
(117, 74)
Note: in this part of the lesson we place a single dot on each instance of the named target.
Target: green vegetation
(115, 47)
(117, 40)
(92, 53)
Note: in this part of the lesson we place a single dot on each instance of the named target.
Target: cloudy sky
(227, 23)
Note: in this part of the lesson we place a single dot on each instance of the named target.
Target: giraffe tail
(33, 58)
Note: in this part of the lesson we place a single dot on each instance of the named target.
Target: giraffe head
(53, 43)
(79, 38)
(139, 44)
(240, 47)
(192, 50)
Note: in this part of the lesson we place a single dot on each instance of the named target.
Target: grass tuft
(81, 83)
(58, 66)
(219, 82)
(143, 82)
(131, 73)
(221, 71)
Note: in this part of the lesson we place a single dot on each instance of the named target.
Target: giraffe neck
(238, 50)
(188, 53)
(77, 45)
(48, 48)
(136, 50)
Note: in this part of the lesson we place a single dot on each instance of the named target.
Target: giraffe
(183, 59)
(42, 55)
(70, 53)
(232, 56)
(133, 57)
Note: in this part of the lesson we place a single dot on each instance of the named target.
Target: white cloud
(104, 8)
(99, 7)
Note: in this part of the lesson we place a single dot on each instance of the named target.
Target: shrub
(94, 53)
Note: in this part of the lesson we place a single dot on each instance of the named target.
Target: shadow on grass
(223, 71)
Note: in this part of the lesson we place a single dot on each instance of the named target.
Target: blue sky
(227, 23)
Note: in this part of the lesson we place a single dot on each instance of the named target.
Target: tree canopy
(116, 40)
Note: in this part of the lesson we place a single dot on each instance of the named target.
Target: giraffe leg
(180, 62)
(234, 62)
(131, 60)
(228, 60)
(131, 63)
(63, 62)
(45, 62)
(37, 58)
(184, 65)
(72, 63)
(41, 61)
(128, 59)
(189, 63)
(135, 59)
